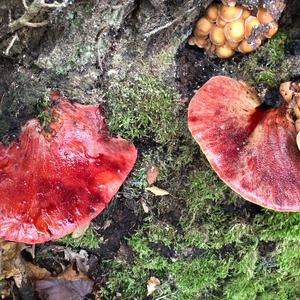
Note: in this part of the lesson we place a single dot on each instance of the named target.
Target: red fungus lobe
(252, 150)
(54, 181)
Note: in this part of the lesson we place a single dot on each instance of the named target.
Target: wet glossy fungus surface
(53, 181)
(253, 150)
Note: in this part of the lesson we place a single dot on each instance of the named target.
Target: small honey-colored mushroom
(198, 34)
(229, 2)
(246, 13)
(233, 45)
(217, 36)
(220, 22)
(191, 41)
(244, 47)
(297, 125)
(285, 91)
(212, 12)
(230, 13)
(272, 30)
(234, 31)
(264, 17)
(203, 26)
(224, 51)
(250, 23)
(201, 43)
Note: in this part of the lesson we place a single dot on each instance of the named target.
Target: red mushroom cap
(52, 182)
(252, 150)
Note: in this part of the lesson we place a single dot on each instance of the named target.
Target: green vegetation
(203, 241)
(143, 107)
(218, 250)
(267, 64)
(89, 240)
(44, 114)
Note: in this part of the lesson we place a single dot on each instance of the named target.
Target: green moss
(143, 108)
(44, 114)
(217, 251)
(267, 64)
(90, 240)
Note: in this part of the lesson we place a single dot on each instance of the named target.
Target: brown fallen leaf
(80, 231)
(9, 255)
(157, 191)
(152, 283)
(35, 272)
(71, 284)
(152, 173)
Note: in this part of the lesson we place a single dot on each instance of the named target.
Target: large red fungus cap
(252, 150)
(52, 182)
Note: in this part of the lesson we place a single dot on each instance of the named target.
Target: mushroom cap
(53, 181)
(244, 47)
(217, 36)
(220, 22)
(252, 150)
(212, 12)
(224, 51)
(264, 16)
(250, 23)
(246, 13)
(191, 41)
(272, 30)
(203, 26)
(286, 92)
(232, 45)
(230, 13)
(200, 42)
(234, 31)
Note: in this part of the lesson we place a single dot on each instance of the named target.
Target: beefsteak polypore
(52, 181)
(252, 149)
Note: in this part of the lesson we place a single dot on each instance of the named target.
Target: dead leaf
(152, 283)
(9, 254)
(152, 173)
(34, 272)
(71, 284)
(145, 207)
(157, 191)
(106, 224)
(80, 231)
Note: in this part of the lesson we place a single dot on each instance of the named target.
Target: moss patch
(143, 108)
(89, 240)
(222, 248)
(267, 64)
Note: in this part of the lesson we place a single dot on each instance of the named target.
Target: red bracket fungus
(54, 181)
(253, 150)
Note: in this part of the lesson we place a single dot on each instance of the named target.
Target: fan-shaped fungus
(54, 181)
(253, 150)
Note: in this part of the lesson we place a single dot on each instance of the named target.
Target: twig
(35, 25)
(25, 4)
(32, 11)
(13, 40)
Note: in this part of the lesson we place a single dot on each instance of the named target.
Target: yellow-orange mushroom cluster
(226, 28)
